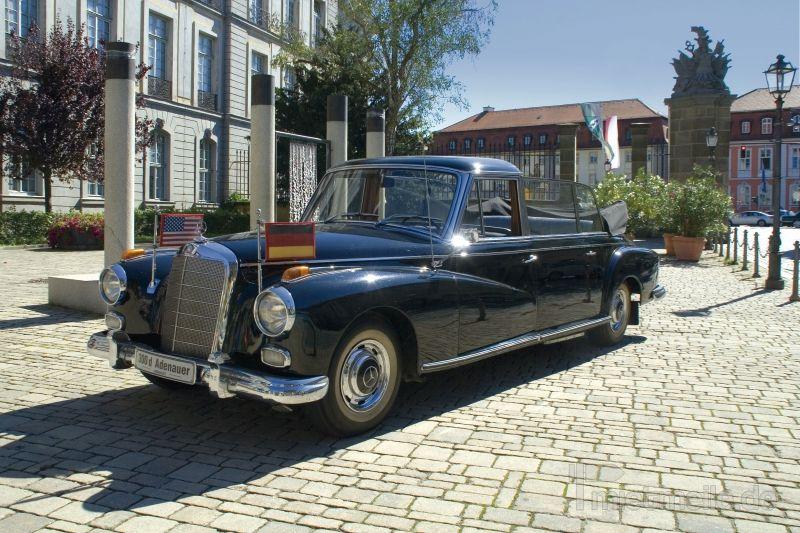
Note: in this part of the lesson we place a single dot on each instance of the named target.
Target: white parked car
(751, 218)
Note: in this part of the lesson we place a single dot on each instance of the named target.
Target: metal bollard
(744, 251)
(735, 245)
(756, 256)
(728, 247)
(795, 297)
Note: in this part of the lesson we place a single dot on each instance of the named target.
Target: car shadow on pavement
(129, 448)
(47, 315)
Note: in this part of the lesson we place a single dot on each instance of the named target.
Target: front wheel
(619, 310)
(364, 380)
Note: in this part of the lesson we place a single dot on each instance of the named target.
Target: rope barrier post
(728, 247)
(756, 257)
(744, 251)
(735, 245)
(795, 297)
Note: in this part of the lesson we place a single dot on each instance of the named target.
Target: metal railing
(215, 4)
(159, 88)
(262, 18)
(207, 100)
(534, 161)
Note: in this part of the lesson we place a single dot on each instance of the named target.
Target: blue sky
(545, 52)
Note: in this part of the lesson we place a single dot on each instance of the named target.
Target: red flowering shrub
(76, 231)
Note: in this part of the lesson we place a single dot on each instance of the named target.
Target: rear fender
(636, 266)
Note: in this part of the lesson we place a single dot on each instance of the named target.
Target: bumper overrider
(223, 379)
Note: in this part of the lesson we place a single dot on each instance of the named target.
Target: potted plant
(668, 215)
(701, 206)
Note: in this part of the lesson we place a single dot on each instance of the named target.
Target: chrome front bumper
(659, 292)
(224, 380)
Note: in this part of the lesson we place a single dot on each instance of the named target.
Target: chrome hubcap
(365, 376)
(618, 310)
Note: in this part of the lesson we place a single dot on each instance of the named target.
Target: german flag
(290, 240)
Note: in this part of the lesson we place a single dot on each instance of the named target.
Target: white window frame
(480, 143)
(794, 195)
(20, 15)
(256, 57)
(765, 154)
(95, 188)
(98, 22)
(743, 191)
(467, 144)
(542, 139)
(290, 12)
(158, 46)
(205, 63)
(794, 160)
(766, 126)
(745, 164)
(527, 140)
(511, 140)
(205, 182)
(745, 127)
(158, 168)
(25, 185)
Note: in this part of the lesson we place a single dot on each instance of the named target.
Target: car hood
(339, 242)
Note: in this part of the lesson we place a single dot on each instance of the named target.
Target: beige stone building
(202, 53)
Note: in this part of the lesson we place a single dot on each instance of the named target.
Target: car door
(568, 272)
(496, 298)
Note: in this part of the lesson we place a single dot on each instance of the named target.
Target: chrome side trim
(224, 380)
(522, 341)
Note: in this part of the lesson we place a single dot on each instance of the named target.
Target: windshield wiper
(403, 218)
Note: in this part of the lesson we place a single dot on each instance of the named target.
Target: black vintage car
(422, 265)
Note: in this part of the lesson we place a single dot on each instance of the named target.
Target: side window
(588, 215)
(492, 208)
(549, 206)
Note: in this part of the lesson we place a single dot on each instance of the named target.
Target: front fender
(331, 302)
(634, 263)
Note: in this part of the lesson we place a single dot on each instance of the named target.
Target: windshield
(385, 197)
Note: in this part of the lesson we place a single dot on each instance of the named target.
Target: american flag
(179, 228)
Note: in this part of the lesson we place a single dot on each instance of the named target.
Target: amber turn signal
(131, 253)
(295, 272)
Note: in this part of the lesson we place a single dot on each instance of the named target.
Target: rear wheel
(166, 384)
(762, 222)
(619, 309)
(364, 380)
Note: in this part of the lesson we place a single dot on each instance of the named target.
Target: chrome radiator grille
(192, 305)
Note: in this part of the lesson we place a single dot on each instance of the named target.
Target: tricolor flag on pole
(179, 228)
(593, 116)
(290, 240)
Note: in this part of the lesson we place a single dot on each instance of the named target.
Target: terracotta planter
(688, 248)
(670, 247)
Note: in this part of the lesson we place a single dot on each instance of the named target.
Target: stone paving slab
(691, 424)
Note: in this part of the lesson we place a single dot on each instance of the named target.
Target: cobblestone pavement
(691, 424)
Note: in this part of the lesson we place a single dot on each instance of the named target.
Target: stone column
(376, 133)
(639, 131)
(337, 128)
(262, 149)
(119, 143)
(568, 151)
(690, 118)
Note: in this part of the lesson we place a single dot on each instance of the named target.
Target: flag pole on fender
(151, 287)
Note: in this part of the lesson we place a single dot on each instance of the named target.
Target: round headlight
(112, 284)
(274, 311)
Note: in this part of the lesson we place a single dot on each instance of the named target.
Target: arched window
(794, 195)
(205, 186)
(743, 196)
(158, 160)
(766, 125)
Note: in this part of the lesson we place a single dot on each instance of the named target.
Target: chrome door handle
(531, 259)
(591, 254)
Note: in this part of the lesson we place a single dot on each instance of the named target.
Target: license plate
(165, 367)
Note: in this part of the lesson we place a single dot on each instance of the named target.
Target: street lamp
(711, 141)
(778, 74)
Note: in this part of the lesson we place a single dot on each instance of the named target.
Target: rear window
(549, 207)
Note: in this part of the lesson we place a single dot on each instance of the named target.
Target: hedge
(25, 227)
(220, 221)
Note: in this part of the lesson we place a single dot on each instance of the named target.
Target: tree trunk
(48, 191)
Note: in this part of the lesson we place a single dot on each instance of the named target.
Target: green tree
(400, 50)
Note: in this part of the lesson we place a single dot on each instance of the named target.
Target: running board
(517, 343)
